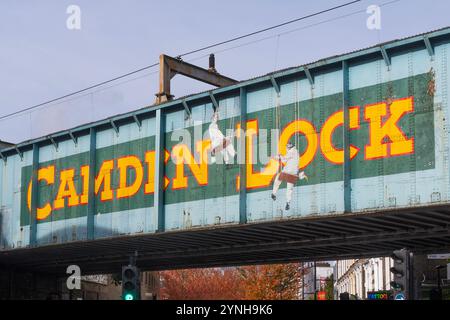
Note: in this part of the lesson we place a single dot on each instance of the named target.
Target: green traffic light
(129, 296)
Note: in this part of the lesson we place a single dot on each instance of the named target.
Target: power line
(297, 29)
(269, 28)
(181, 55)
(79, 91)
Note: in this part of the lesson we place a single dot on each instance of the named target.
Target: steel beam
(169, 67)
(3, 157)
(20, 153)
(346, 139)
(113, 125)
(74, 139)
(294, 245)
(158, 203)
(416, 222)
(242, 158)
(429, 47)
(275, 85)
(186, 108)
(55, 144)
(385, 55)
(384, 221)
(376, 225)
(138, 122)
(232, 249)
(441, 214)
(91, 192)
(34, 196)
(427, 219)
(339, 227)
(309, 76)
(355, 225)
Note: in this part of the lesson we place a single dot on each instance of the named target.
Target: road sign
(438, 256)
(400, 296)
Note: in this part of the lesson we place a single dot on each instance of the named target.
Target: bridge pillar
(91, 192)
(34, 196)
(346, 138)
(241, 157)
(158, 201)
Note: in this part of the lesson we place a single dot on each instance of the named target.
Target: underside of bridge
(423, 230)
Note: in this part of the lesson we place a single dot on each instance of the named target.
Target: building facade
(357, 277)
(315, 277)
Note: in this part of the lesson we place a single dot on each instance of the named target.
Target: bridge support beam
(346, 139)
(169, 67)
(241, 157)
(158, 201)
(34, 196)
(91, 193)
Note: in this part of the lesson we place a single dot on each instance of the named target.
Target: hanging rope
(278, 126)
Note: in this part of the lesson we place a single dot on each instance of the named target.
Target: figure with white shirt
(289, 173)
(220, 143)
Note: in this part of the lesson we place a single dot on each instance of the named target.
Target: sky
(41, 58)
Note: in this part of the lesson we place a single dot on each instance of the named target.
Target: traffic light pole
(131, 288)
(402, 284)
(412, 287)
(315, 281)
(133, 259)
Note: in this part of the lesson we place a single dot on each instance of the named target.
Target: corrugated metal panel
(197, 197)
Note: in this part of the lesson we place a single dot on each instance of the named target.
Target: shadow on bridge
(342, 236)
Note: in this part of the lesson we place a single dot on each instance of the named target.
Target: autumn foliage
(200, 284)
(250, 282)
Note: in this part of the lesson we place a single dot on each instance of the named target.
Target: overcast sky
(40, 58)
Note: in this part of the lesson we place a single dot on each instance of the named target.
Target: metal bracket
(429, 47)
(386, 58)
(19, 153)
(214, 101)
(3, 157)
(309, 76)
(275, 85)
(186, 107)
(116, 129)
(169, 67)
(55, 144)
(138, 122)
(74, 139)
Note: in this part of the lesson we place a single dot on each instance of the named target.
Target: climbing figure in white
(290, 173)
(220, 143)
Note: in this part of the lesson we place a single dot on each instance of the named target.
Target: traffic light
(344, 296)
(401, 271)
(130, 283)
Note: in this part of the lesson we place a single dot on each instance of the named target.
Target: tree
(250, 282)
(329, 288)
(270, 282)
(201, 284)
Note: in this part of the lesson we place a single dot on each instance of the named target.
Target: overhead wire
(297, 29)
(179, 56)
